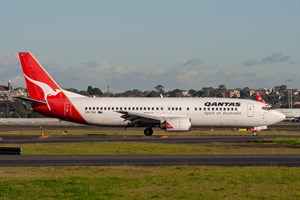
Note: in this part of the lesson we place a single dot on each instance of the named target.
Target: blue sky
(140, 44)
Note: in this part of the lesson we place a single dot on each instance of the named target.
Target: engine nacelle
(176, 124)
(258, 128)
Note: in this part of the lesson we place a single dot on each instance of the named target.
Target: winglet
(259, 98)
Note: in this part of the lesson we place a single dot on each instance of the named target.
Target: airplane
(170, 114)
(290, 113)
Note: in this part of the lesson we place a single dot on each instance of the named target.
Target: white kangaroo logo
(48, 91)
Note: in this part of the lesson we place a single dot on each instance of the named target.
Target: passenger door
(250, 110)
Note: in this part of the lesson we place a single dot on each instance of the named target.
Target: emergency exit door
(68, 109)
(250, 110)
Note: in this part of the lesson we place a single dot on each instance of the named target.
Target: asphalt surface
(290, 160)
(22, 139)
(151, 160)
(283, 126)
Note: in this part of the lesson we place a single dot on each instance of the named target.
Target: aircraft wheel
(148, 131)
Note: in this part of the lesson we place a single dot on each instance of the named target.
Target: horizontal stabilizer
(31, 100)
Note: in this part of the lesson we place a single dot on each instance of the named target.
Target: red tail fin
(46, 96)
(40, 85)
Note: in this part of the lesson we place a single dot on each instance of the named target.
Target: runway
(175, 139)
(151, 160)
(290, 160)
(283, 126)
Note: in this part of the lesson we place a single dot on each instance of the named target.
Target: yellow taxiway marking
(43, 136)
(164, 136)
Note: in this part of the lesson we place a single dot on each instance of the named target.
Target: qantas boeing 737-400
(171, 114)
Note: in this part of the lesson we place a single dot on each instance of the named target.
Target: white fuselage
(201, 111)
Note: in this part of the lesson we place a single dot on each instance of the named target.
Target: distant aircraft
(290, 113)
(171, 114)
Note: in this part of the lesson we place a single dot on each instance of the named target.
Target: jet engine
(176, 124)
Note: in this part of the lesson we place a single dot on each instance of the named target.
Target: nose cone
(276, 116)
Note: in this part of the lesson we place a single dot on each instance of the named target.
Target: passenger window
(195, 109)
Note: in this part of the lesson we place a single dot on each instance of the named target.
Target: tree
(160, 89)
(94, 91)
(222, 88)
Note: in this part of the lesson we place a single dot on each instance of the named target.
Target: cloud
(277, 57)
(188, 74)
(10, 69)
(9, 64)
(250, 63)
(193, 62)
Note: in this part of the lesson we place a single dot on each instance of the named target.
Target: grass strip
(289, 141)
(84, 148)
(149, 183)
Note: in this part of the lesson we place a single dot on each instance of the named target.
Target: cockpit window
(266, 107)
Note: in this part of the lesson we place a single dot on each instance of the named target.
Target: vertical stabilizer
(46, 96)
(39, 84)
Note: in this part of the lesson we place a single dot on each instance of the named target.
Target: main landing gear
(148, 131)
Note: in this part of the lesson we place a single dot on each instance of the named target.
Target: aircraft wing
(139, 119)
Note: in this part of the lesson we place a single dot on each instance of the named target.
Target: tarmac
(288, 160)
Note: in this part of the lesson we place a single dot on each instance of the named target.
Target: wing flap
(140, 118)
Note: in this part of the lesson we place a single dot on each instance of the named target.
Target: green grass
(149, 183)
(84, 148)
(289, 141)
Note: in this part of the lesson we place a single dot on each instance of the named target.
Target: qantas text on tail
(171, 114)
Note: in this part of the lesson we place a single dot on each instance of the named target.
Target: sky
(139, 44)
